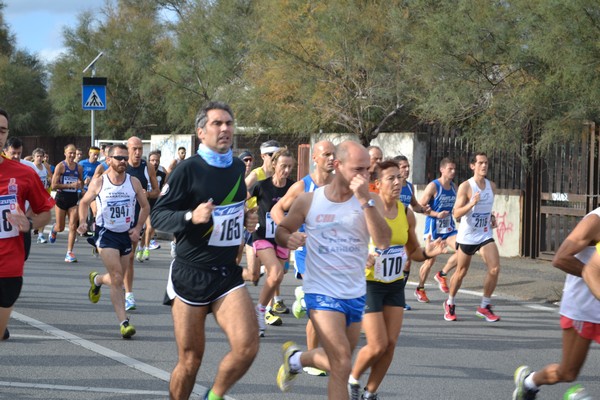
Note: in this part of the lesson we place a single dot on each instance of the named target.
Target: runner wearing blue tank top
(440, 195)
(323, 154)
(407, 197)
(474, 202)
(340, 217)
(67, 180)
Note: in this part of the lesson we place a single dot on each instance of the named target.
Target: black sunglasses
(121, 158)
(247, 160)
(269, 154)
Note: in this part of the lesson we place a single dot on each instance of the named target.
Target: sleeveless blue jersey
(406, 194)
(443, 201)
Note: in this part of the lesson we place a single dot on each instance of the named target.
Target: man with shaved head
(323, 154)
(339, 218)
(136, 166)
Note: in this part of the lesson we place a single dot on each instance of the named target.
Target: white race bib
(228, 225)
(271, 226)
(443, 225)
(8, 205)
(69, 180)
(389, 263)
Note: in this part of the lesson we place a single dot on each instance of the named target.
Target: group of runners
(350, 224)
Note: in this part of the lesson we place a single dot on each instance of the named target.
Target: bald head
(350, 149)
(135, 148)
(323, 155)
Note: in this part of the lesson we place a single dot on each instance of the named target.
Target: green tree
(500, 69)
(326, 65)
(22, 90)
(207, 62)
(132, 39)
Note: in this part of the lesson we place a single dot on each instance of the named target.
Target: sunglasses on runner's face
(121, 158)
(247, 160)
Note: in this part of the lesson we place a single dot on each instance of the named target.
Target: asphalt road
(64, 347)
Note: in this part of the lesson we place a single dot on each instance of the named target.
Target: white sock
(276, 299)
(128, 294)
(529, 382)
(485, 301)
(96, 282)
(261, 308)
(295, 363)
(450, 300)
(353, 381)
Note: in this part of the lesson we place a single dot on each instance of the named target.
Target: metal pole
(93, 75)
(92, 66)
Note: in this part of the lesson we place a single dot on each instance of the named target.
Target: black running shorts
(66, 200)
(471, 249)
(201, 285)
(381, 294)
(10, 289)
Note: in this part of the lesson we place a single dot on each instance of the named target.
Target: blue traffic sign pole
(98, 88)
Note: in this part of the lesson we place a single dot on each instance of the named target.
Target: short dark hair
(474, 158)
(399, 158)
(445, 161)
(3, 112)
(154, 153)
(14, 142)
(181, 148)
(38, 150)
(116, 146)
(382, 166)
(202, 117)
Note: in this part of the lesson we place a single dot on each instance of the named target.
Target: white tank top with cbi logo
(336, 248)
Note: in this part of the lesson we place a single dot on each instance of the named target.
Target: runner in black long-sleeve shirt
(203, 204)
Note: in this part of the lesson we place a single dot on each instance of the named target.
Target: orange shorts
(587, 330)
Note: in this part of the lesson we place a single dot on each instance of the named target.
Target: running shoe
(127, 330)
(449, 311)
(139, 254)
(262, 326)
(146, 254)
(487, 313)
(521, 392)
(370, 396)
(130, 303)
(70, 257)
(41, 239)
(94, 292)
(272, 319)
(441, 280)
(52, 236)
(354, 391)
(285, 375)
(421, 295)
(299, 292)
(577, 392)
(154, 245)
(314, 371)
(6, 334)
(279, 307)
(407, 307)
(299, 308)
(173, 250)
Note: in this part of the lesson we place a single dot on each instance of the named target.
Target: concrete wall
(507, 203)
(168, 145)
(507, 209)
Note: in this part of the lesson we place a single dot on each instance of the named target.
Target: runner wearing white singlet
(474, 202)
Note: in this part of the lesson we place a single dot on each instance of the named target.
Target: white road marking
(199, 390)
(82, 388)
(533, 306)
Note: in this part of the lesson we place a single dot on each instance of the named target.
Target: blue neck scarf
(215, 159)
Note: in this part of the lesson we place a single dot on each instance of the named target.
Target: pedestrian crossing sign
(94, 94)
